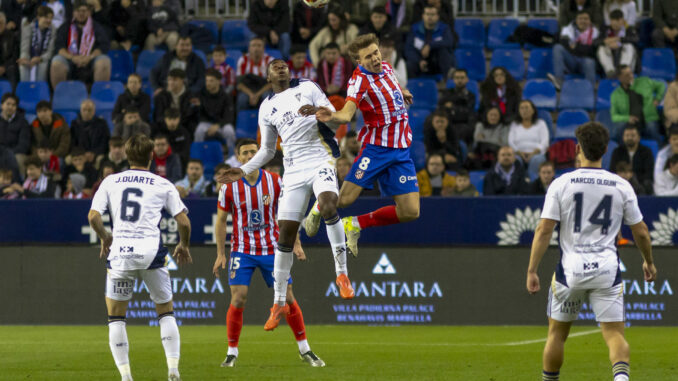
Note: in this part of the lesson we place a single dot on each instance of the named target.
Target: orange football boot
(274, 319)
(345, 288)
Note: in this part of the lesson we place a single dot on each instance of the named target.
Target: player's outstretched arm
(230, 175)
(326, 115)
(644, 242)
(181, 252)
(97, 224)
(542, 237)
(220, 235)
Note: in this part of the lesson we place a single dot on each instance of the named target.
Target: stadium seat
(568, 121)
(498, 31)
(540, 63)
(122, 65)
(477, 179)
(659, 63)
(418, 154)
(108, 117)
(210, 153)
(511, 59)
(30, 93)
(576, 93)
(275, 53)
(104, 94)
(425, 93)
(548, 119)
(235, 34)
(607, 157)
(645, 28)
(5, 87)
(417, 120)
(30, 117)
(201, 54)
(463, 148)
(147, 59)
(471, 32)
(542, 93)
(473, 60)
(69, 116)
(247, 124)
(603, 117)
(605, 89)
(68, 95)
(547, 25)
(232, 57)
(652, 145)
(472, 86)
(210, 26)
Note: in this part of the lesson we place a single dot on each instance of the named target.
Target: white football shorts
(565, 303)
(297, 187)
(120, 284)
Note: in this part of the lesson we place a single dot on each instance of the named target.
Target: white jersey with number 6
(591, 204)
(135, 200)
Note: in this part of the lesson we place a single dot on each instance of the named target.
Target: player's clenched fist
(533, 283)
(230, 175)
(650, 272)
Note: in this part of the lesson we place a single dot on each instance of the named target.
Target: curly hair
(592, 138)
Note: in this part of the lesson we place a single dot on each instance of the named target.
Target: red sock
(295, 319)
(233, 325)
(380, 217)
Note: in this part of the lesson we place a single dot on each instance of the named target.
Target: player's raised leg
(613, 333)
(234, 322)
(282, 267)
(295, 319)
(117, 330)
(554, 350)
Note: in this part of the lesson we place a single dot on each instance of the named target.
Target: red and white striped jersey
(306, 72)
(247, 66)
(381, 101)
(255, 210)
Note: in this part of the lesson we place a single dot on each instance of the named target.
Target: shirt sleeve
(174, 205)
(551, 208)
(354, 91)
(100, 199)
(269, 137)
(224, 202)
(319, 97)
(632, 214)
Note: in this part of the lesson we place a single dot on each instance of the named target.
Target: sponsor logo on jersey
(255, 217)
(126, 249)
(403, 179)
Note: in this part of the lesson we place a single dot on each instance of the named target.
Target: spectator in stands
(666, 183)
(338, 30)
(131, 124)
(194, 183)
(500, 89)
(666, 152)
(356, 12)
(101, 13)
(182, 58)
(400, 13)
(227, 72)
(430, 46)
(81, 166)
(350, 146)
(251, 74)
(491, 133)
(116, 154)
(433, 180)
(444, 7)
(15, 134)
(19, 11)
(127, 22)
(132, 97)
(617, 44)
(9, 52)
(547, 172)
(213, 187)
(460, 103)
(270, 19)
(106, 169)
(576, 51)
(463, 186)
(51, 127)
(529, 137)
(627, 7)
(9, 189)
(506, 178)
(59, 11)
(163, 26)
(440, 137)
(8, 161)
(306, 22)
(665, 17)
(390, 54)
(75, 184)
(625, 171)
(343, 167)
(37, 185)
(300, 66)
(334, 71)
(82, 45)
(671, 104)
(635, 102)
(379, 25)
(216, 112)
(570, 9)
(640, 156)
(37, 46)
(178, 136)
(165, 163)
(176, 95)
(90, 132)
(51, 165)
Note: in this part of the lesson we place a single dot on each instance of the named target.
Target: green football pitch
(351, 353)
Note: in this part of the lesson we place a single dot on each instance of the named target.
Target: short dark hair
(622, 68)
(43, 105)
(33, 161)
(172, 113)
(260, 38)
(44, 144)
(44, 11)
(7, 96)
(297, 48)
(80, 3)
(435, 154)
(135, 75)
(219, 49)
(460, 70)
(177, 73)
(77, 151)
(138, 149)
(185, 37)
(673, 160)
(214, 73)
(584, 12)
(131, 110)
(161, 136)
(462, 173)
(268, 67)
(379, 9)
(221, 166)
(535, 115)
(440, 113)
(592, 138)
(194, 160)
(361, 42)
(116, 141)
(632, 126)
(244, 142)
(673, 130)
(351, 134)
(617, 14)
(547, 163)
(331, 45)
(623, 166)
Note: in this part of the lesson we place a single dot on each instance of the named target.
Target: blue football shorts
(393, 168)
(242, 266)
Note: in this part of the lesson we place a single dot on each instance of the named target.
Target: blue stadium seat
(108, 117)
(605, 89)
(232, 57)
(471, 32)
(201, 54)
(104, 94)
(548, 119)
(30, 117)
(30, 93)
(540, 63)
(652, 145)
(235, 34)
(147, 59)
(5, 87)
(576, 93)
(122, 65)
(418, 154)
(498, 31)
(607, 157)
(542, 93)
(547, 25)
(568, 121)
(417, 119)
(473, 60)
(247, 124)
(69, 116)
(659, 63)
(645, 28)
(477, 179)
(425, 93)
(210, 26)
(68, 95)
(275, 53)
(210, 153)
(603, 117)
(472, 86)
(511, 59)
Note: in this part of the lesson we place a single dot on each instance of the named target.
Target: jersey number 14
(600, 216)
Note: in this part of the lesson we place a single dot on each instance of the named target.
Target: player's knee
(328, 207)
(408, 214)
(238, 300)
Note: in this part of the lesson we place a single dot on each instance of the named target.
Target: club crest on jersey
(359, 174)
(232, 274)
(298, 96)
(267, 199)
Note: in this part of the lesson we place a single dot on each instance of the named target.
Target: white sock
(621, 377)
(117, 339)
(335, 233)
(303, 346)
(282, 265)
(169, 334)
(232, 351)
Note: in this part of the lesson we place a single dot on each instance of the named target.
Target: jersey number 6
(127, 203)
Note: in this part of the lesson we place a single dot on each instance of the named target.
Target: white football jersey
(305, 141)
(591, 205)
(135, 200)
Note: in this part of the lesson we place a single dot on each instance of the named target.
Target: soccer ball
(316, 3)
